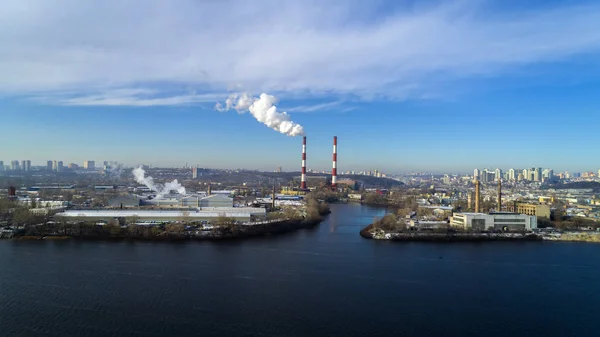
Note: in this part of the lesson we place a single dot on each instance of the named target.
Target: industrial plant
(159, 201)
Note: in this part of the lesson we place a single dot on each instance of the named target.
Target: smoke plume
(161, 190)
(264, 110)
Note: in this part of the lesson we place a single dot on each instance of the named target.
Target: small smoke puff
(161, 190)
(264, 110)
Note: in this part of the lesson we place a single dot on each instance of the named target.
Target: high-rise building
(511, 175)
(89, 165)
(446, 179)
(73, 166)
(14, 165)
(195, 173)
(537, 174)
(59, 166)
(498, 174)
(484, 176)
(49, 165)
(1, 165)
(54, 165)
(26, 165)
(525, 174)
(476, 174)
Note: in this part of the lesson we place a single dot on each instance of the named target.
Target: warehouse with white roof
(243, 214)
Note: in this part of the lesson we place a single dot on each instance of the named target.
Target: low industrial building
(174, 201)
(494, 221)
(244, 214)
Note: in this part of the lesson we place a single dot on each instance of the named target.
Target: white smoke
(161, 190)
(264, 110)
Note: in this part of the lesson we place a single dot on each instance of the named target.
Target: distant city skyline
(82, 165)
(444, 97)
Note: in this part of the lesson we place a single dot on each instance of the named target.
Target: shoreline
(456, 236)
(378, 234)
(237, 232)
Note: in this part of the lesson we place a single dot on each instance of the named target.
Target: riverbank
(573, 237)
(371, 232)
(229, 232)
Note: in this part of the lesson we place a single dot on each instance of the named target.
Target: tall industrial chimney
(499, 195)
(303, 177)
(477, 196)
(334, 170)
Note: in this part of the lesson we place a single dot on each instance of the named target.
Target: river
(326, 281)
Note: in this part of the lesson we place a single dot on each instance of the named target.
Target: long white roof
(212, 212)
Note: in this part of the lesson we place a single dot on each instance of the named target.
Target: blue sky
(419, 85)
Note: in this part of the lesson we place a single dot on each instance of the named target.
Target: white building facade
(494, 221)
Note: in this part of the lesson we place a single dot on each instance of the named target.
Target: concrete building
(14, 165)
(89, 165)
(512, 175)
(525, 174)
(498, 174)
(1, 165)
(494, 221)
(244, 214)
(529, 209)
(195, 173)
(49, 165)
(537, 174)
(26, 165)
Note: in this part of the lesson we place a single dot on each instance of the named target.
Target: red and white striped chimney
(334, 170)
(303, 177)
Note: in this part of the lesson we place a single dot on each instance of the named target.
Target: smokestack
(303, 177)
(499, 195)
(334, 170)
(477, 196)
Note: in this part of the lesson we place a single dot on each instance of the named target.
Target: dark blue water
(322, 282)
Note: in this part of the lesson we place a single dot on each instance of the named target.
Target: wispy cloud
(308, 47)
(127, 97)
(316, 107)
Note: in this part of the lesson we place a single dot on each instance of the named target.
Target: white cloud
(292, 47)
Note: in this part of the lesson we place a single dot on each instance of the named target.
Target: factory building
(529, 209)
(350, 183)
(494, 221)
(194, 201)
(125, 201)
(243, 214)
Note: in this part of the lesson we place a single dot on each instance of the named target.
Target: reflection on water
(316, 282)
